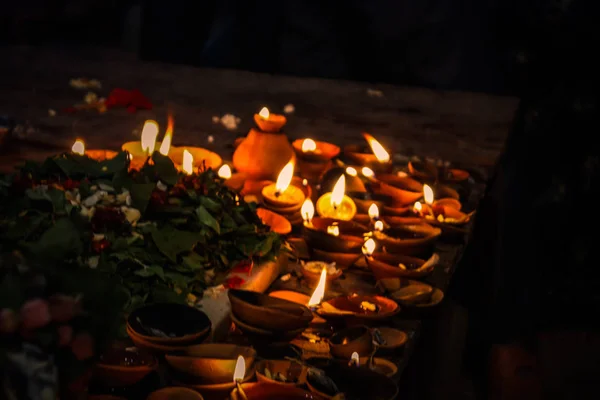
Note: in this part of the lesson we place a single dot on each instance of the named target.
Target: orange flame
(264, 113)
(418, 207)
(224, 172)
(368, 172)
(285, 177)
(373, 211)
(319, 292)
(188, 162)
(428, 194)
(78, 147)
(240, 369)
(337, 194)
(355, 359)
(308, 145)
(165, 146)
(149, 135)
(333, 230)
(351, 171)
(379, 226)
(369, 247)
(307, 210)
(381, 154)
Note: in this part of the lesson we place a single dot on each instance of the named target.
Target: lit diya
(268, 121)
(403, 190)
(389, 265)
(233, 181)
(378, 158)
(359, 308)
(312, 271)
(444, 213)
(314, 157)
(336, 204)
(412, 240)
(281, 194)
(140, 151)
(98, 155)
(411, 293)
(353, 181)
(436, 172)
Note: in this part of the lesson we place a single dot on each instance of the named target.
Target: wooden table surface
(455, 126)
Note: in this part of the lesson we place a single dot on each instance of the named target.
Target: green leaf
(140, 195)
(171, 242)
(265, 246)
(60, 242)
(164, 294)
(122, 180)
(194, 261)
(151, 271)
(210, 204)
(57, 197)
(25, 226)
(207, 219)
(38, 193)
(165, 169)
(113, 165)
(178, 280)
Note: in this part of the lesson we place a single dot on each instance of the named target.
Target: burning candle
(429, 197)
(314, 157)
(368, 172)
(165, 146)
(378, 226)
(382, 155)
(319, 292)
(351, 171)
(238, 376)
(281, 193)
(418, 208)
(308, 145)
(269, 122)
(307, 211)
(373, 212)
(188, 163)
(336, 204)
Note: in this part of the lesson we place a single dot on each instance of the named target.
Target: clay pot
(403, 190)
(212, 363)
(268, 313)
(350, 239)
(294, 373)
(160, 349)
(263, 155)
(448, 202)
(386, 265)
(121, 367)
(412, 294)
(410, 240)
(314, 277)
(271, 391)
(272, 124)
(347, 341)
(203, 158)
(210, 391)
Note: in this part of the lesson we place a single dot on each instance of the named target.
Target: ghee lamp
(98, 155)
(281, 193)
(268, 122)
(141, 150)
(336, 204)
(373, 212)
(314, 157)
(380, 153)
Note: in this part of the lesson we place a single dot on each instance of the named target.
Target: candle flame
(224, 172)
(333, 230)
(149, 135)
(285, 177)
(337, 194)
(308, 145)
(304, 182)
(418, 207)
(351, 171)
(382, 155)
(319, 292)
(188, 162)
(264, 113)
(165, 146)
(373, 211)
(240, 369)
(355, 359)
(428, 194)
(78, 147)
(379, 226)
(368, 172)
(369, 247)
(307, 210)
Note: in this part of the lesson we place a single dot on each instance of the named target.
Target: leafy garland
(164, 235)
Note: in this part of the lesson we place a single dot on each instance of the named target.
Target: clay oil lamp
(410, 293)
(364, 202)
(281, 196)
(357, 339)
(123, 367)
(98, 155)
(286, 373)
(336, 204)
(444, 213)
(378, 365)
(212, 363)
(390, 265)
(140, 151)
(392, 340)
(166, 327)
(353, 182)
(431, 172)
(313, 270)
(268, 313)
(378, 158)
(404, 191)
(265, 151)
(358, 308)
(411, 239)
(271, 391)
(314, 157)
(174, 392)
(355, 383)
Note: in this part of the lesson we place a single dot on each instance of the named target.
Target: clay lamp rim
(116, 368)
(272, 124)
(325, 151)
(364, 157)
(405, 183)
(275, 366)
(332, 307)
(386, 265)
(354, 231)
(269, 390)
(429, 233)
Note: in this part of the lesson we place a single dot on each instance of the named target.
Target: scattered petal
(234, 282)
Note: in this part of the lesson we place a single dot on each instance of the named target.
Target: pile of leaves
(165, 236)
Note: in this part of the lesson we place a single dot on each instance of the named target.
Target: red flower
(233, 282)
(244, 266)
(107, 218)
(70, 184)
(35, 314)
(131, 99)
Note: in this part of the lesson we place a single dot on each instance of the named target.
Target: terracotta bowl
(262, 311)
(270, 391)
(361, 383)
(397, 211)
(186, 324)
(201, 156)
(386, 265)
(121, 367)
(448, 202)
(394, 221)
(412, 240)
(325, 151)
(342, 260)
(403, 190)
(264, 334)
(212, 362)
(294, 297)
(379, 365)
(364, 157)
(158, 348)
(294, 373)
(394, 340)
(330, 178)
(362, 219)
(457, 175)
(349, 307)
(445, 192)
(437, 296)
(276, 222)
(423, 170)
(313, 277)
(210, 391)
(406, 291)
(350, 239)
(347, 341)
(175, 393)
(364, 200)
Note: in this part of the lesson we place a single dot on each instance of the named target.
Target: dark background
(448, 44)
